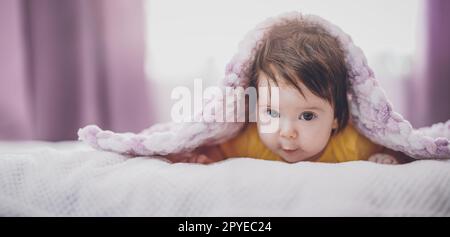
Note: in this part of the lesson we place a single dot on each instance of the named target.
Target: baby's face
(305, 122)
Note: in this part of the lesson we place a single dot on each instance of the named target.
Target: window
(196, 38)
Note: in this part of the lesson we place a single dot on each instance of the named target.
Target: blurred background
(68, 63)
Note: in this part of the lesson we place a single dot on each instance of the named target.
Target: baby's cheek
(269, 140)
(314, 142)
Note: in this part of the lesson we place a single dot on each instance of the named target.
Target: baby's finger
(203, 159)
(394, 161)
(386, 160)
(192, 159)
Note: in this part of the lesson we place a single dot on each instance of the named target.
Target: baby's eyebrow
(302, 108)
(267, 106)
(312, 108)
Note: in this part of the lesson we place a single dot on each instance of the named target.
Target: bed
(72, 179)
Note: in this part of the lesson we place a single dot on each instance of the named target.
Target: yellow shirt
(347, 145)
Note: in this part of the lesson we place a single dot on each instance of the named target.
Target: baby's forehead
(265, 86)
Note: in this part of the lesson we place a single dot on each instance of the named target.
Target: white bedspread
(71, 179)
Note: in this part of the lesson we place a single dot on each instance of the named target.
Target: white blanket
(71, 179)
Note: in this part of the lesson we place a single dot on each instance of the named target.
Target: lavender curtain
(68, 63)
(430, 95)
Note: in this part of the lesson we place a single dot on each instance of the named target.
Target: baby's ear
(335, 124)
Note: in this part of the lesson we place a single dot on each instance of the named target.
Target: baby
(307, 65)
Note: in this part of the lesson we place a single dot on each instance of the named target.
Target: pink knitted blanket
(371, 111)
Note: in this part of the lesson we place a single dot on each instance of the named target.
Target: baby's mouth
(289, 150)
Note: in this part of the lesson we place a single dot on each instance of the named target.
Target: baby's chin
(298, 156)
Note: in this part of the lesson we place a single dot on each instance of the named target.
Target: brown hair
(303, 52)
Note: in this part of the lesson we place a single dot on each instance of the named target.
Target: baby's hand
(383, 159)
(207, 155)
(201, 155)
(201, 159)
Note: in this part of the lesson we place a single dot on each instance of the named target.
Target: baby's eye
(272, 113)
(307, 116)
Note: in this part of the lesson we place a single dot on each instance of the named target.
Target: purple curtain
(68, 63)
(430, 95)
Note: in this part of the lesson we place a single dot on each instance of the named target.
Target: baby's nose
(287, 131)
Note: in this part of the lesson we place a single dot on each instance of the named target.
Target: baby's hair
(298, 51)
